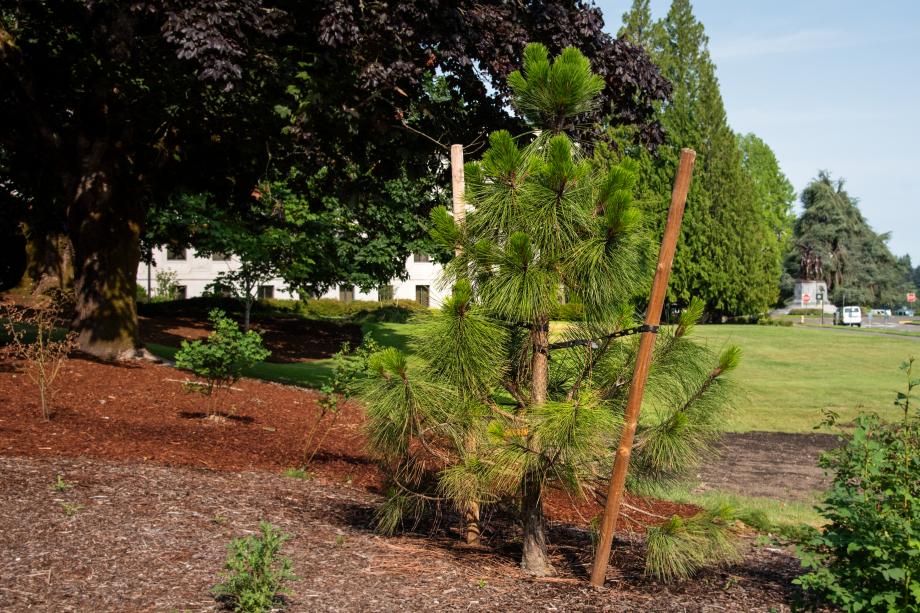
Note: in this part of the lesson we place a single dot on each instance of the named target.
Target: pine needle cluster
(490, 410)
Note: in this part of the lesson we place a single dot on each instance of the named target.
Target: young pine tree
(481, 413)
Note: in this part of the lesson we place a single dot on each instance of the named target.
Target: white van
(849, 316)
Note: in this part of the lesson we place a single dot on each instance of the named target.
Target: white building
(194, 273)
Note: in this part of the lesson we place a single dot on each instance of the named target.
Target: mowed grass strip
(789, 376)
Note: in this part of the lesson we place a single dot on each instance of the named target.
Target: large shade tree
(110, 107)
(105, 106)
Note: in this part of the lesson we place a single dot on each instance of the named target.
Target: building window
(346, 293)
(181, 292)
(266, 291)
(175, 253)
(421, 295)
(220, 257)
(418, 256)
(385, 293)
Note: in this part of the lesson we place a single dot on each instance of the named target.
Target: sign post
(912, 297)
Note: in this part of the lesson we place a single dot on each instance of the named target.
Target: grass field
(789, 375)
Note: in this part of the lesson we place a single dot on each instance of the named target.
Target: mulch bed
(160, 490)
(143, 537)
(139, 411)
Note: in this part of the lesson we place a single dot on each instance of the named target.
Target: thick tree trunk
(49, 261)
(534, 558)
(105, 229)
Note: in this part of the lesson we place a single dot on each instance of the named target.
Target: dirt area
(290, 339)
(142, 537)
(769, 464)
(159, 491)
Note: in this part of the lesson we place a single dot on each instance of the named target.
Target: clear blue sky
(829, 85)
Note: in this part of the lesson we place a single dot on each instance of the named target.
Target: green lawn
(789, 375)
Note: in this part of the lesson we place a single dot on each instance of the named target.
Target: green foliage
(570, 311)
(221, 358)
(481, 414)
(770, 321)
(737, 222)
(867, 558)
(167, 286)
(254, 576)
(857, 264)
(60, 484)
(679, 547)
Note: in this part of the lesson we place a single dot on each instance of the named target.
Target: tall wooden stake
(458, 186)
(643, 361)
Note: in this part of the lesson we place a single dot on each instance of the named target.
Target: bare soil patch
(769, 464)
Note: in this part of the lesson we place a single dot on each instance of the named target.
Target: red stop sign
(912, 297)
(806, 298)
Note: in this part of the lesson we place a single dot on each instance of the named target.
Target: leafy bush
(570, 311)
(769, 321)
(359, 311)
(806, 312)
(167, 288)
(868, 556)
(221, 358)
(254, 576)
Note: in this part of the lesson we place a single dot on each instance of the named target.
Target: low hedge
(322, 308)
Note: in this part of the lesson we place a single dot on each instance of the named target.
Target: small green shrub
(221, 358)
(806, 312)
(769, 321)
(359, 311)
(570, 311)
(254, 575)
(867, 558)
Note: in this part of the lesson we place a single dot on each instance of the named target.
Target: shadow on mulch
(290, 339)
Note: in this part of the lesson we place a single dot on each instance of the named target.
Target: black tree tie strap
(592, 342)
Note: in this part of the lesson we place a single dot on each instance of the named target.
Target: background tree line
(741, 242)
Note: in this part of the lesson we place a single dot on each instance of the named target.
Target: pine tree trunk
(534, 558)
(540, 361)
(105, 229)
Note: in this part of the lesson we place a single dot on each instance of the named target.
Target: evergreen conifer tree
(481, 413)
(729, 254)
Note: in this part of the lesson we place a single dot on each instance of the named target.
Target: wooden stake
(643, 361)
(458, 186)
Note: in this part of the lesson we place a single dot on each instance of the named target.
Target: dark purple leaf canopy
(392, 45)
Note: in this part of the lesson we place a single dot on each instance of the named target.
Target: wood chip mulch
(141, 537)
(157, 493)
